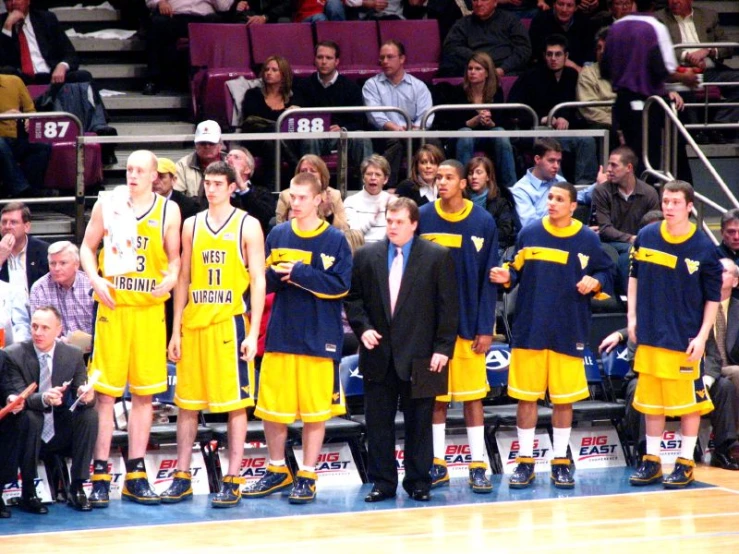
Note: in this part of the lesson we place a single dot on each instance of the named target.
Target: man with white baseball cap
(191, 168)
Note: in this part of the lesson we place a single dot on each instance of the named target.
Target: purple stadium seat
(293, 41)
(506, 82)
(454, 81)
(359, 45)
(62, 166)
(422, 45)
(218, 52)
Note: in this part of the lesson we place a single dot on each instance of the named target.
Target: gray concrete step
(67, 15)
(116, 70)
(137, 101)
(154, 128)
(51, 223)
(82, 45)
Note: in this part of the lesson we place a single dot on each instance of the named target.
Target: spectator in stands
(591, 87)
(524, 9)
(421, 187)
(66, 288)
(480, 86)
(255, 200)
(327, 88)
(637, 60)
(395, 87)
(729, 247)
(687, 23)
(164, 185)
(590, 7)
(49, 427)
(563, 19)
(191, 168)
(331, 208)
(263, 105)
(355, 238)
(619, 205)
(547, 85)
(22, 163)
(716, 378)
(259, 12)
(311, 11)
(386, 9)
(669, 381)
(545, 354)
(9, 435)
(34, 47)
(14, 319)
(616, 10)
(484, 192)
(169, 22)
(23, 258)
(496, 32)
(365, 210)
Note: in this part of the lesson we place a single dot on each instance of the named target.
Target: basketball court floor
(602, 514)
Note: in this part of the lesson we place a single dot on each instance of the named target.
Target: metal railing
(590, 104)
(79, 191)
(461, 107)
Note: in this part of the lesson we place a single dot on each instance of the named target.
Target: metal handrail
(343, 109)
(683, 45)
(460, 107)
(585, 104)
(79, 192)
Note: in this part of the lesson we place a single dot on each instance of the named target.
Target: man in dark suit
(255, 200)
(9, 435)
(33, 43)
(403, 304)
(164, 186)
(685, 23)
(729, 247)
(19, 250)
(46, 424)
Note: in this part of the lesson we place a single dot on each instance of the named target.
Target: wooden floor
(694, 520)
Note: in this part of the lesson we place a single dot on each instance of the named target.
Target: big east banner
(335, 465)
(508, 448)
(596, 447)
(671, 443)
(43, 491)
(457, 456)
(161, 465)
(117, 471)
(254, 463)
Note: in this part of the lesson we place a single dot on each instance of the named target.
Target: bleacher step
(82, 44)
(137, 101)
(147, 128)
(51, 223)
(116, 71)
(166, 151)
(72, 15)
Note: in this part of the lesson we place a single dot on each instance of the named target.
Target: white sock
(560, 439)
(687, 450)
(304, 467)
(653, 445)
(277, 463)
(476, 436)
(438, 431)
(526, 442)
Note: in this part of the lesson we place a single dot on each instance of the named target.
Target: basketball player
(309, 267)
(129, 335)
(213, 351)
(470, 233)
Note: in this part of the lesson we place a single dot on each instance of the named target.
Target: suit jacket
(37, 261)
(54, 44)
(706, 24)
(67, 365)
(712, 362)
(426, 311)
(188, 206)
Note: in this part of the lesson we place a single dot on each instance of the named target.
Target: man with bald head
(129, 333)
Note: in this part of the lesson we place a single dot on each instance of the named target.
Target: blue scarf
(479, 199)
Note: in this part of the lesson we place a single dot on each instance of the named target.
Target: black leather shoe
(150, 89)
(700, 137)
(78, 499)
(723, 459)
(32, 505)
(376, 495)
(4, 510)
(717, 137)
(421, 495)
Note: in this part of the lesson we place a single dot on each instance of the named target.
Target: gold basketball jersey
(134, 288)
(218, 274)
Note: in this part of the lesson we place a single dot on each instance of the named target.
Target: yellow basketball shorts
(129, 344)
(292, 386)
(468, 378)
(533, 372)
(211, 374)
(671, 397)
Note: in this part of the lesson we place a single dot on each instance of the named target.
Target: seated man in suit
(47, 425)
(403, 304)
(9, 435)
(34, 45)
(23, 258)
(255, 200)
(164, 186)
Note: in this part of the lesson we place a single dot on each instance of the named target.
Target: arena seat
(293, 41)
(359, 45)
(506, 83)
(422, 45)
(218, 52)
(61, 173)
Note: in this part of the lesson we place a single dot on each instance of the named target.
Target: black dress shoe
(150, 89)
(78, 499)
(4, 510)
(33, 505)
(376, 495)
(700, 137)
(723, 459)
(717, 137)
(421, 495)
